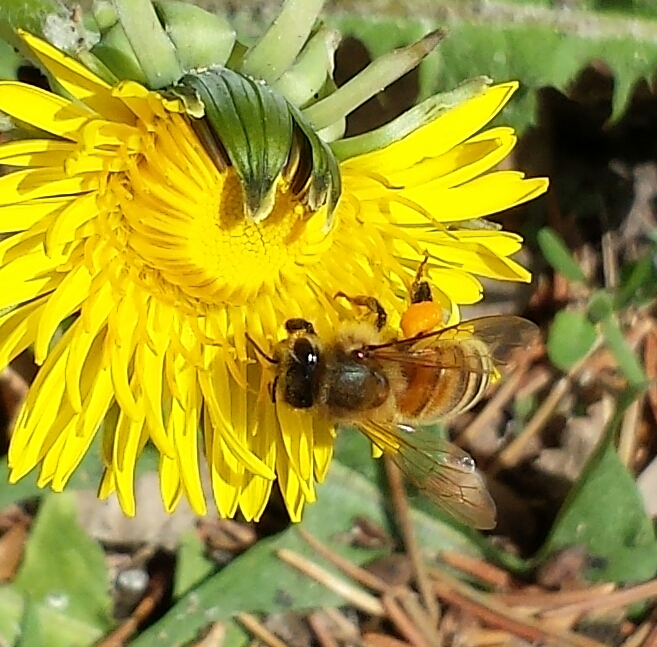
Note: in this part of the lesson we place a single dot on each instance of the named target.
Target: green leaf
(623, 354)
(639, 284)
(570, 338)
(258, 581)
(605, 513)
(600, 306)
(10, 61)
(558, 255)
(542, 47)
(63, 567)
(192, 566)
(28, 15)
(25, 623)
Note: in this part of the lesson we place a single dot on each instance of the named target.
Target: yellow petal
(19, 217)
(290, 487)
(294, 429)
(478, 259)
(479, 198)
(224, 430)
(63, 302)
(149, 368)
(78, 80)
(438, 136)
(43, 401)
(42, 109)
(18, 329)
(120, 340)
(186, 439)
(129, 438)
(30, 184)
(324, 441)
(20, 285)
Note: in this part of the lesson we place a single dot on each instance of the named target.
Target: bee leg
(420, 288)
(272, 389)
(372, 304)
(298, 325)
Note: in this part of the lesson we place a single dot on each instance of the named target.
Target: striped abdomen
(448, 381)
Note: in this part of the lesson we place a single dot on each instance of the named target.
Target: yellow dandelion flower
(122, 219)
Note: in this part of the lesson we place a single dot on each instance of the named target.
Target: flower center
(181, 228)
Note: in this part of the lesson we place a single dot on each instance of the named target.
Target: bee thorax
(351, 386)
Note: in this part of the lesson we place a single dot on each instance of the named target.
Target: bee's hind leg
(420, 288)
(371, 303)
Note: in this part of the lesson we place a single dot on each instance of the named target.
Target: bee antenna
(259, 350)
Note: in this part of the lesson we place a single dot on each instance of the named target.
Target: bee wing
(501, 337)
(443, 471)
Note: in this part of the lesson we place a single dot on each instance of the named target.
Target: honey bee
(390, 388)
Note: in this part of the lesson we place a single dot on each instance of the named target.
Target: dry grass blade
(542, 600)
(639, 636)
(404, 625)
(416, 612)
(403, 517)
(353, 595)
(374, 639)
(252, 624)
(497, 616)
(513, 452)
(215, 636)
(483, 571)
(319, 625)
(353, 571)
(628, 433)
(614, 600)
(496, 403)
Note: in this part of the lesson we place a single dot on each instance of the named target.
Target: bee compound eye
(305, 353)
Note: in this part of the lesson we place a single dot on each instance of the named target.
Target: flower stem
(279, 46)
(152, 47)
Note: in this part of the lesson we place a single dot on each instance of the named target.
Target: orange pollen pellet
(421, 317)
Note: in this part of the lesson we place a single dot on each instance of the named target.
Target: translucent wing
(496, 337)
(443, 471)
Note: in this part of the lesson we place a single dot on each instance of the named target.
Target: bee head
(300, 358)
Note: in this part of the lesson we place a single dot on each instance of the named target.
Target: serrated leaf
(570, 338)
(258, 581)
(539, 52)
(63, 567)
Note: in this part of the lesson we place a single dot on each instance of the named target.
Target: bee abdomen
(433, 393)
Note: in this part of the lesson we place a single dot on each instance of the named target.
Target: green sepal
(10, 62)
(201, 38)
(409, 121)
(252, 123)
(115, 52)
(326, 186)
(249, 125)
